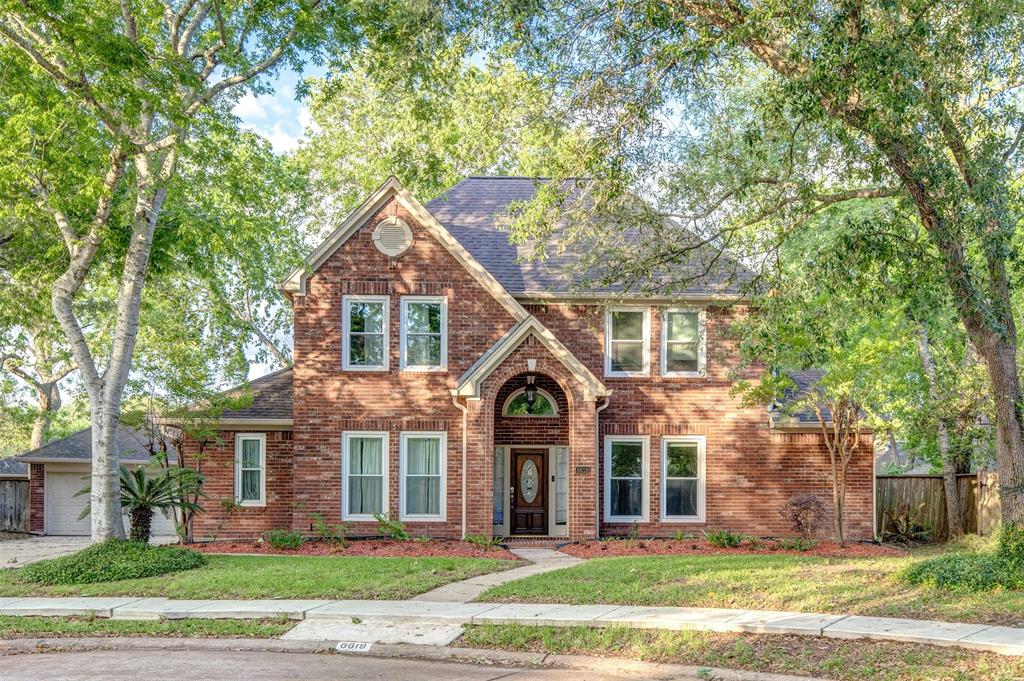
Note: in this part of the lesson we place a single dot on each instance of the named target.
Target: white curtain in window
(423, 476)
(251, 469)
(365, 476)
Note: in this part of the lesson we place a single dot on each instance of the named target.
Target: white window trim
(701, 343)
(385, 455)
(646, 442)
(608, 342)
(540, 391)
(346, 341)
(403, 450)
(405, 300)
(700, 441)
(262, 438)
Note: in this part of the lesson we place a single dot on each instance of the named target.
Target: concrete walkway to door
(542, 560)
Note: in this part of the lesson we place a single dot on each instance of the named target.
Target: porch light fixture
(530, 392)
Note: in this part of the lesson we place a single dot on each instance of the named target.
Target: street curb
(392, 650)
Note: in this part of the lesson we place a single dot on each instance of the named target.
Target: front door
(529, 506)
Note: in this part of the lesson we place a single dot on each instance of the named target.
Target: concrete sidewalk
(327, 620)
(541, 561)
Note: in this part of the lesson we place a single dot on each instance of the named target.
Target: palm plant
(141, 495)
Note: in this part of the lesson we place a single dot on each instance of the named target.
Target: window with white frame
(365, 333)
(423, 492)
(250, 468)
(682, 479)
(424, 342)
(627, 341)
(364, 461)
(625, 475)
(682, 342)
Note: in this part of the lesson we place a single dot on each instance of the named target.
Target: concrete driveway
(18, 552)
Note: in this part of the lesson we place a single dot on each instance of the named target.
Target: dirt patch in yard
(697, 547)
(387, 548)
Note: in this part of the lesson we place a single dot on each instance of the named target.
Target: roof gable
(392, 189)
(469, 384)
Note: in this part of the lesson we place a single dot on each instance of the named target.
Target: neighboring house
(445, 380)
(12, 469)
(59, 469)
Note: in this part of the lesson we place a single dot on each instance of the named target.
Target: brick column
(36, 486)
(479, 468)
(583, 470)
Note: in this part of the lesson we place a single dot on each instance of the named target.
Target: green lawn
(281, 577)
(19, 627)
(797, 655)
(866, 586)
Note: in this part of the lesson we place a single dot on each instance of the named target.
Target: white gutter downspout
(597, 464)
(465, 422)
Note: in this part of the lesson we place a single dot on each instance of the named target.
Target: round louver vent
(392, 237)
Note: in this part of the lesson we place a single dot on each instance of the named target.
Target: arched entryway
(531, 457)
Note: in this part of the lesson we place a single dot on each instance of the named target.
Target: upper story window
(365, 333)
(424, 343)
(250, 469)
(523, 403)
(682, 342)
(627, 335)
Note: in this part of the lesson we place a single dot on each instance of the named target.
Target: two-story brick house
(444, 380)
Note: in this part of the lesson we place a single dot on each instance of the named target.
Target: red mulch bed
(441, 548)
(697, 547)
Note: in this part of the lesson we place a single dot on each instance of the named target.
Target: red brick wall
(36, 499)
(218, 467)
(329, 401)
(751, 471)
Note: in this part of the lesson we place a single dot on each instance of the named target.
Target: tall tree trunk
(954, 512)
(1001, 364)
(106, 521)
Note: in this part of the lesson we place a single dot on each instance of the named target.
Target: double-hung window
(682, 479)
(627, 335)
(424, 343)
(364, 333)
(682, 342)
(364, 475)
(250, 469)
(626, 479)
(423, 463)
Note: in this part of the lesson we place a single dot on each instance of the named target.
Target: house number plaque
(583, 470)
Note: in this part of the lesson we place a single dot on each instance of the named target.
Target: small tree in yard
(173, 489)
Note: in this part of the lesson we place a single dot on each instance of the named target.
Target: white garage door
(63, 507)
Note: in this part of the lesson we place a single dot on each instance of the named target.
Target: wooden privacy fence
(926, 497)
(13, 505)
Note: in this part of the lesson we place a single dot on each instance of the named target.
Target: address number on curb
(353, 647)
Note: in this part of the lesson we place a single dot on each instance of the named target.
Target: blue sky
(278, 116)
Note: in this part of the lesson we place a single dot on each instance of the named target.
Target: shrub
(1011, 545)
(283, 539)
(482, 540)
(724, 539)
(966, 572)
(902, 527)
(393, 529)
(800, 544)
(111, 561)
(804, 513)
(335, 534)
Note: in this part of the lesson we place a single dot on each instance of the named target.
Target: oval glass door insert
(528, 481)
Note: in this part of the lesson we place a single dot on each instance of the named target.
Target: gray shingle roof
(783, 413)
(474, 212)
(271, 397)
(12, 468)
(132, 444)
